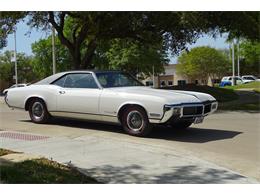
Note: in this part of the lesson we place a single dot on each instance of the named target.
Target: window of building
(170, 83)
(181, 82)
(149, 83)
(163, 83)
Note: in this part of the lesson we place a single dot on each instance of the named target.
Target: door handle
(62, 92)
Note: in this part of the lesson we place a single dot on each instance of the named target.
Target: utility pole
(153, 78)
(15, 58)
(53, 51)
(233, 63)
(238, 59)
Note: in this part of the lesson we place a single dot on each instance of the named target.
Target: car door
(238, 81)
(79, 94)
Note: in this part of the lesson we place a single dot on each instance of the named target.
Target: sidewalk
(119, 161)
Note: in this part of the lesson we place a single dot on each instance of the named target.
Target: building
(170, 78)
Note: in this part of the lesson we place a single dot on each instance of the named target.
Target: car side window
(60, 82)
(80, 80)
(249, 78)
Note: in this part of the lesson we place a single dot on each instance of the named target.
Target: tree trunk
(76, 58)
(76, 63)
(211, 84)
(88, 56)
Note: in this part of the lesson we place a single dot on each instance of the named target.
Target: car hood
(171, 96)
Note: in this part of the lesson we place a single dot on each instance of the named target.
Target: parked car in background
(14, 86)
(227, 81)
(111, 96)
(249, 78)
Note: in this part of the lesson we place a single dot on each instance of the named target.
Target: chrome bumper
(180, 110)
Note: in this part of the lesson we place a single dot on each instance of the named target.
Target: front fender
(131, 103)
(153, 112)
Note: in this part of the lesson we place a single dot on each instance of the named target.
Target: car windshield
(117, 79)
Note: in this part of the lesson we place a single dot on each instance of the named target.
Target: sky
(26, 36)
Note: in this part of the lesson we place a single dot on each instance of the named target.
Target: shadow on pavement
(193, 135)
(191, 174)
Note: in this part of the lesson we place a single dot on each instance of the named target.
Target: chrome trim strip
(169, 113)
(86, 116)
(155, 115)
(192, 103)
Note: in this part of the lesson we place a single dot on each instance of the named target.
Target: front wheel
(135, 121)
(38, 111)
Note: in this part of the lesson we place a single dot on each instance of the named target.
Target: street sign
(13, 57)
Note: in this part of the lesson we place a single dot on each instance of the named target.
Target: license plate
(198, 120)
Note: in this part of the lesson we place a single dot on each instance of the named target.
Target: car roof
(54, 77)
(248, 76)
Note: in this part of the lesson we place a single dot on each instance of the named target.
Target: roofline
(88, 71)
(52, 78)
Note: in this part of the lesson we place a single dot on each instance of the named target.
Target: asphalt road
(227, 139)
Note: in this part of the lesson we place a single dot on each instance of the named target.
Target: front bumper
(187, 111)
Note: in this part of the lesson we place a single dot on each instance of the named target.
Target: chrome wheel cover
(135, 120)
(37, 110)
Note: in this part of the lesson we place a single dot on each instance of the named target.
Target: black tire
(181, 125)
(41, 115)
(131, 118)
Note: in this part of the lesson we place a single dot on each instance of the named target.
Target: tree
(250, 57)
(118, 54)
(81, 32)
(7, 24)
(24, 67)
(42, 59)
(203, 62)
(131, 56)
(6, 66)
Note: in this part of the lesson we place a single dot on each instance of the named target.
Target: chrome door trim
(86, 116)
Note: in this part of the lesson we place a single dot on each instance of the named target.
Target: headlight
(176, 111)
(167, 108)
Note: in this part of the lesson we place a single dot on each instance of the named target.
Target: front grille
(207, 108)
(193, 110)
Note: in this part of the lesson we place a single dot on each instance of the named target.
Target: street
(223, 149)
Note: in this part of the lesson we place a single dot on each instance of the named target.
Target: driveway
(224, 149)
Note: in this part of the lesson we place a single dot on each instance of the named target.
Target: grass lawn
(255, 86)
(5, 152)
(41, 171)
(221, 94)
(245, 107)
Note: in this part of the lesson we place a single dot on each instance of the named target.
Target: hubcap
(37, 110)
(135, 120)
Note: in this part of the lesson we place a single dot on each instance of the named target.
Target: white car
(227, 81)
(13, 86)
(110, 96)
(249, 78)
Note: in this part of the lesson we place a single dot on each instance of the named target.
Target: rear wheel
(135, 121)
(38, 111)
